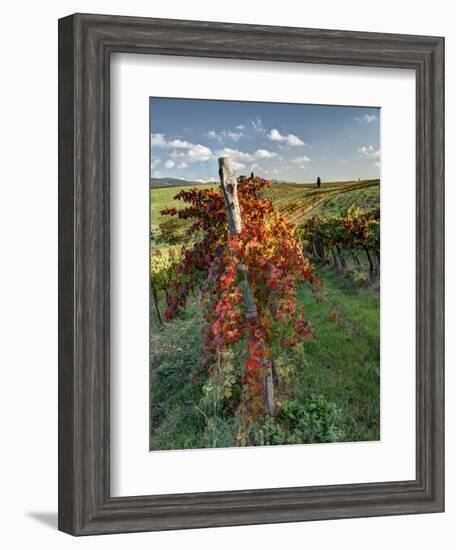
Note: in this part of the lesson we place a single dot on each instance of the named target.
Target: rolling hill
(156, 183)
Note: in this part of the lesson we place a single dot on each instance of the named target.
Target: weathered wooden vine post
(233, 210)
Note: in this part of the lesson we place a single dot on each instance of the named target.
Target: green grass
(163, 197)
(341, 364)
(176, 383)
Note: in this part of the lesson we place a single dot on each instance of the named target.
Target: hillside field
(163, 197)
(295, 201)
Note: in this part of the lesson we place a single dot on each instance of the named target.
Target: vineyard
(297, 201)
(264, 316)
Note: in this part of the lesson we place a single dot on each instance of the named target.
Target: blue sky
(279, 141)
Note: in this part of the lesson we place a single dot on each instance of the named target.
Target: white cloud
(154, 161)
(377, 164)
(366, 118)
(235, 154)
(182, 165)
(237, 165)
(303, 167)
(240, 127)
(301, 160)
(199, 153)
(264, 154)
(157, 140)
(196, 153)
(258, 125)
(290, 139)
(369, 151)
(212, 134)
(275, 135)
(235, 136)
(224, 134)
(241, 156)
(170, 163)
(179, 144)
(294, 140)
(202, 180)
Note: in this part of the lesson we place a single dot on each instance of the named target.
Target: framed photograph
(251, 274)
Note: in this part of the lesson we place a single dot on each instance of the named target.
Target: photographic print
(264, 274)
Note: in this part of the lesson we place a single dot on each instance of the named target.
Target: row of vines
(296, 202)
(351, 235)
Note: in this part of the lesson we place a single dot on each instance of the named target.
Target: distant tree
(251, 175)
(318, 181)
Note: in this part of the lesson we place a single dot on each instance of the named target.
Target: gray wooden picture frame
(85, 45)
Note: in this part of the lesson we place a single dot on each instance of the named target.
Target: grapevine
(272, 260)
(355, 229)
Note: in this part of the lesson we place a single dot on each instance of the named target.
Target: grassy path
(342, 363)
